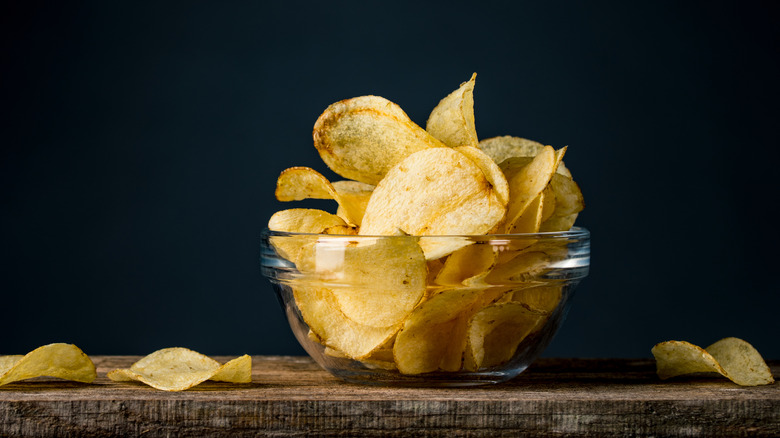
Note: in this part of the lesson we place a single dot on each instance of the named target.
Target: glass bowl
(425, 310)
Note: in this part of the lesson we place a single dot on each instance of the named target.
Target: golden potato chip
(502, 148)
(466, 263)
(543, 299)
(526, 185)
(452, 357)
(322, 314)
(301, 220)
(364, 137)
(568, 203)
(733, 358)
(177, 369)
(376, 282)
(64, 361)
(495, 332)
(436, 191)
(353, 198)
(490, 169)
(298, 183)
(422, 343)
(452, 121)
(524, 266)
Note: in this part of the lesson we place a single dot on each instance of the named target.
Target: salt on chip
(733, 358)
(436, 191)
(63, 361)
(452, 121)
(376, 282)
(177, 369)
(364, 137)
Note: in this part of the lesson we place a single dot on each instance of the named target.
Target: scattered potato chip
(63, 361)
(452, 121)
(733, 358)
(364, 137)
(177, 369)
(436, 191)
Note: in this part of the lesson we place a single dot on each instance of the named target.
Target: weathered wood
(292, 396)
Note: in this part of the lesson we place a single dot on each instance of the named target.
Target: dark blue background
(142, 141)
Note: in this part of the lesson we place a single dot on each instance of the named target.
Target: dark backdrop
(142, 141)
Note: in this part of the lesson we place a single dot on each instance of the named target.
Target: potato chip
(568, 203)
(452, 121)
(495, 332)
(364, 137)
(427, 333)
(466, 263)
(436, 191)
(526, 185)
(177, 369)
(524, 266)
(502, 148)
(321, 312)
(383, 279)
(490, 169)
(353, 198)
(63, 361)
(300, 220)
(298, 183)
(542, 299)
(733, 358)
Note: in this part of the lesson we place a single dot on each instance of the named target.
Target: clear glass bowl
(427, 310)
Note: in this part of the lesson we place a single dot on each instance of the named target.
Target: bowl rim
(574, 232)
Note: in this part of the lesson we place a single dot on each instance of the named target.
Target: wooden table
(292, 396)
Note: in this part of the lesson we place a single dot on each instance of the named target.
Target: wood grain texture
(292, 396)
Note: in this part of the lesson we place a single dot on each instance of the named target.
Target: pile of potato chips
(428, 299)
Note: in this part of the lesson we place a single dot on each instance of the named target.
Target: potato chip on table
(64, 361)
(178, 369)
(732, 358)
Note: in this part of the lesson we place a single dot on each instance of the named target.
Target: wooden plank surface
(292, 396)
